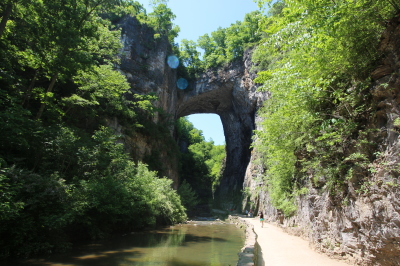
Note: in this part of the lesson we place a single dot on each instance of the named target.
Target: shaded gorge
(191, 244)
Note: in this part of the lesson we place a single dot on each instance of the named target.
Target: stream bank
(248, 255)
(195, 243)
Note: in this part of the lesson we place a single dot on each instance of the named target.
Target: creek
(193, 244)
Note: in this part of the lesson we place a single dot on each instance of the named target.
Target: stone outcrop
(228, 92)
(363, 226)
(143, 62)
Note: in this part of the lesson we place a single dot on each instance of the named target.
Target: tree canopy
(63, 175)
(223, 46)
(315, 60)
(202, 161)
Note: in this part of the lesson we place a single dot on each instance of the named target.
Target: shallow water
(193, 244)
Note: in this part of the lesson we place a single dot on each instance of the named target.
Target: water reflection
(199, 243)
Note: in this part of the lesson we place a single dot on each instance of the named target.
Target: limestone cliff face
(143, 62)
(230, 93)
(365, 228)
(227, 91)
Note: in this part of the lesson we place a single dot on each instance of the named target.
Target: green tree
(124, 8)
(7, 8)
(101, 86)
(207, 44)
(188, 196)
(187, 132)
(55, 49)
(82, 188)
(161, 20)
(65, 177)
(228, 44)
(68, 55)
(216, 164)
(190, 57)
(242, 35)
(316, 62)
(201, 162)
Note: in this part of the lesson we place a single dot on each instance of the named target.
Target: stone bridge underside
(229, 93)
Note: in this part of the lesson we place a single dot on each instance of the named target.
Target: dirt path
(281, 249)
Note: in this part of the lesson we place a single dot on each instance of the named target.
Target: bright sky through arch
(211, 126)
(196, 18)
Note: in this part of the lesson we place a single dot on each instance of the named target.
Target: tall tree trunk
(49, 89)
(6, 16)
(28, 92)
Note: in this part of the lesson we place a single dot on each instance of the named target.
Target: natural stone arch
(230, 93)
(227, 91)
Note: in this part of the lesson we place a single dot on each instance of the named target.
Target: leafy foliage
(188, 195)
(315, 61)
(201, 162)
(161, 20)
(104, 193)
(223, 46)
(190, 58)
(63, 174)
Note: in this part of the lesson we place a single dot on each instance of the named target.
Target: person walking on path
(278, 248)
(262, 219)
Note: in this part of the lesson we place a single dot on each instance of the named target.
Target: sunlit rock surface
(227, 91)
(144, 63)
(230, 93)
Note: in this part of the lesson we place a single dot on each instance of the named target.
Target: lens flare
(173, 61)
(182, 83)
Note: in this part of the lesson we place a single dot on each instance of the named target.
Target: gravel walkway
(281, 249)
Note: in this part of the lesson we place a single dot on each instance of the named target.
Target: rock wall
(143, 62)
(364, 226)
(230, 93)
(227, 91)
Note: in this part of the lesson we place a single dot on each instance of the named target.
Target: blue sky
(196, 18)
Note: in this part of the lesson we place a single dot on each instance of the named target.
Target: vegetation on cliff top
(223, 46)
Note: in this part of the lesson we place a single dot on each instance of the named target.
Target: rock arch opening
(210, 125)
(229, 93)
